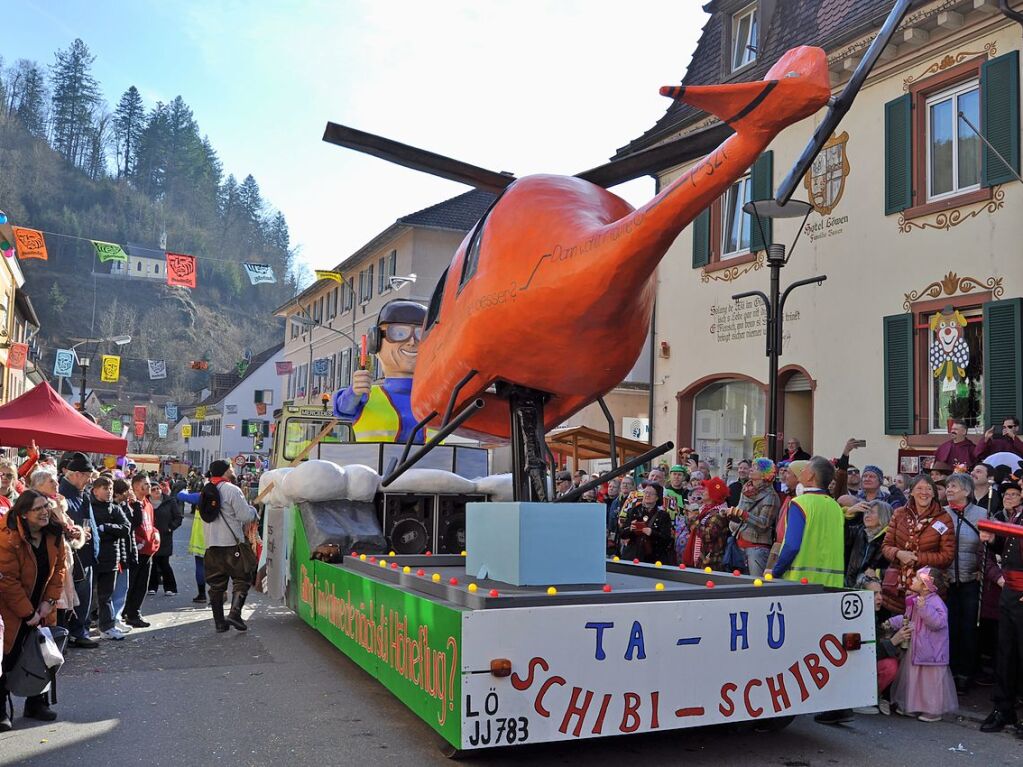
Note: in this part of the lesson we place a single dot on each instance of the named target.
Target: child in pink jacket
(924, 685)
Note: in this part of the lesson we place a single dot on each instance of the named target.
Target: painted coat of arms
(825, 181)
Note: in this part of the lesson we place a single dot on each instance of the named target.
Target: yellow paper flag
(200, 412)
(325, 274)
(111, 368)
(186, 430)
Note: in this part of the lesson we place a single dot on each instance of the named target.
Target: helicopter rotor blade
(839, 106)
(649, 161)
(417, 159)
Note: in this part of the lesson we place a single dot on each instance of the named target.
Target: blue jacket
(80, 510)
(349, 407)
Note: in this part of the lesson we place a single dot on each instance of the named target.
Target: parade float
(530, 634)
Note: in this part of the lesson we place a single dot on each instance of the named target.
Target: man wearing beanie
(225, 557)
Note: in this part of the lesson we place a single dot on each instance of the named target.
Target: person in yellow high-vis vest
(383, 412)
(814, 544)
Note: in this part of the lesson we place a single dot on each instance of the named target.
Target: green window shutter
(1003, 371)
(701, 239)
(898, 154)
(898, 374)
(762, 181)
(999, 104)
(245, 427)
(258, 396)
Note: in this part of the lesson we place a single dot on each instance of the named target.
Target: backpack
(37, 665)
(209, 503)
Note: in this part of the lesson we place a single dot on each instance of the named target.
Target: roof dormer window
(744, 37)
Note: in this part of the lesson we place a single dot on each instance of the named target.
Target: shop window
(744, 37)
(723, 231)
(933, 159)
(727, 417)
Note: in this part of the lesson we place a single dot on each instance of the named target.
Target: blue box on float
(536, 544)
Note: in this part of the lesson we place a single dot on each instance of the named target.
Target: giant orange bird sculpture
(547, 302)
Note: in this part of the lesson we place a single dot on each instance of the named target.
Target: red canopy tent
(41, 415)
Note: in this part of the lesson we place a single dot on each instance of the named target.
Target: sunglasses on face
(854, 471)
(400, 333)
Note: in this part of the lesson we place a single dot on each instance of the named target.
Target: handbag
(77, 568)
(243, 552)
(35, 669)
(890, 581)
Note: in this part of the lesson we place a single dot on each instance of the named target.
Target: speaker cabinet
(450, 536)
(408, 522)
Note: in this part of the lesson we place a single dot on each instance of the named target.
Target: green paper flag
(109, 251)
(115, 426)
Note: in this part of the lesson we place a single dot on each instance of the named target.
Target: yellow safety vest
(378, 421)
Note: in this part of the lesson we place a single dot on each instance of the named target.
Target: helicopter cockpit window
(472, 252)
(433, 311)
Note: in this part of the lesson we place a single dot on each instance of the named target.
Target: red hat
(716, 489)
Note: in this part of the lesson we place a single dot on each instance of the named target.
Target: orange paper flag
(29, 243)
(180, 270)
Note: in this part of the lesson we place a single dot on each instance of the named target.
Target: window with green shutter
(999, 85)
(762, 175)
(701, 239)
(898, 154)
(898, 374)
(1003, 371)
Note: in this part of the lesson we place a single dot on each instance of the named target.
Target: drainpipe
(1003, 6)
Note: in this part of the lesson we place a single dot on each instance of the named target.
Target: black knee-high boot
(217, 604)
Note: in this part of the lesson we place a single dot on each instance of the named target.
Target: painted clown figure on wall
(383, 412)
(949, 353)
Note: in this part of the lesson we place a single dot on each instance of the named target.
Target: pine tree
(129, 122)
(25, 95)
(75, 96)
(150, 169)
(97, 140)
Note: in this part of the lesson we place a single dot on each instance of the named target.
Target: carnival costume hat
(766, 468)
(716, 489)
(875, 470)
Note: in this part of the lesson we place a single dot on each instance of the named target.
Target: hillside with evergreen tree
(75, 168)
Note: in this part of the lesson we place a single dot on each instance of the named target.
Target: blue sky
(525, 86)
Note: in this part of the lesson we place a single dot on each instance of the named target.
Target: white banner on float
(586, 671)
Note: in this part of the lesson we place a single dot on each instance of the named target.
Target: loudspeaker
(450, 536)
(408, 522)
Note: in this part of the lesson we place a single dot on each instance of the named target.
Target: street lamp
(84, 362)
(774, 305)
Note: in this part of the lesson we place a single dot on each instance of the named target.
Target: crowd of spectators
(79, 547)
(947, 594)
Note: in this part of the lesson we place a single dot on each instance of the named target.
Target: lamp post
(84, 362)
(774, 304)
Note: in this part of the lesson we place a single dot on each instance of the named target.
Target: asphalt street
(280, 694)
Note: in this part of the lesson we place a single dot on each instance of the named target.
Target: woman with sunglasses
(32, 572)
